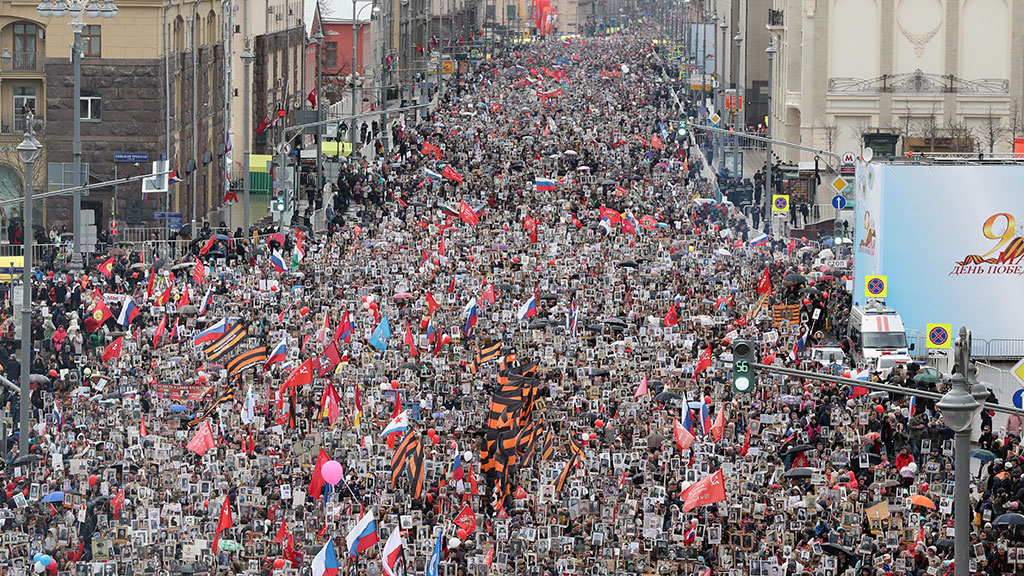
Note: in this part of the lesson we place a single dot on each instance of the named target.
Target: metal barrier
(997, 349)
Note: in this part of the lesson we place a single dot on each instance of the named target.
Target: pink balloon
(331, 472)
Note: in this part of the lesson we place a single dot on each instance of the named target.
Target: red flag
(440, 249)
(718, 428)
(203, 440)
(262, 127)
(149, 284)
(431, 303)
(431, 150)
(113, 350)
(707, 491)
(451, 285)
(612, 216)
(628, 228)
(117, 502)
(160, 329)
(488, 295)
(466, 519)
(791, 247)
(467, 214)
(107, 268)
(704, 362)
(764, 285)
(317, 483)
(410, 341)
(682, 436)
(301, 376)
(533, 235)
(282, 531)
(142, 427)
(398, 410)
(746, 443)
(209, 244)
(199, 273)
(451, 174)
(183, 301)
(100, 314)
(344, 330)
(164, 298)
(224, 522)
(312, 97)
(671, 317)
(641, 390)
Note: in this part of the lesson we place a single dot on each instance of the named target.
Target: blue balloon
(36, 557)
(45, 560)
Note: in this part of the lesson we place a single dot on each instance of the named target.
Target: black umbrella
(798, 473)
(589, 417)
(944, 543)
(628, 264)
(667, 396)
(810, 290)
(538, 324)
(594, 327)
(835, 549)
(794, 278)
(799, 448)
(608, 183)
(549, 297)
(600, 372)
(1008, 520)
(411, 366)
(677, 256)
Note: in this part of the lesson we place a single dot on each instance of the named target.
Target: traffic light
(113, 227)
(280, 203)
(682, 128)
(743, 360)
(837, 228)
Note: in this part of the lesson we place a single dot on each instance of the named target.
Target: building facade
(941, 75)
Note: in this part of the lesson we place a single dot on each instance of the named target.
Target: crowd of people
(543, 242)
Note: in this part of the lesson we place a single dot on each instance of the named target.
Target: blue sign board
(174, 221)
(839, 202)
(131, 156)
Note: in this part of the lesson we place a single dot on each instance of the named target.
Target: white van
(879, 339)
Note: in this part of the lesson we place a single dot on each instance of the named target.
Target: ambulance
(879, 338)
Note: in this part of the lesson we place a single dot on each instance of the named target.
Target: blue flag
(381, 333)
(435, 557)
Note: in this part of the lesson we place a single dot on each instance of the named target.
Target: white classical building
(945, 75)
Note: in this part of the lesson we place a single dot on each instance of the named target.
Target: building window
(90, 108)
(25, 46)
(331, 55)
(24, 102)
(91, 41)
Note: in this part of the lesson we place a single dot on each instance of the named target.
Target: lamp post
(75, 9)
(959, 408)
(28, 150)
(355, 49)
(318, 38)
(247, 59)
(736, 168)
(770, 51)
(723, 49)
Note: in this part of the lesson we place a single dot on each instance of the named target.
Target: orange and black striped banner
(566, 472)
(247, 360)
(226, 343)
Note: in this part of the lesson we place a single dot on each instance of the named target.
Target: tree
(930, 129)
(1014, 125)
(831, 133)
(859, 130)
(992, 130)
(961, 137)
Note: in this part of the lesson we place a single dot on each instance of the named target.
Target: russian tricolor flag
(326, 561)
(545, 184)
(433, 176)
(128, 312)
(362, 536)
(211, 333)
(277, 261)
(472, 315)
(207, 300)
(705, 418)
(759, 240)
(457, 471)
(528, 309)
(278, 354)
(687, 418)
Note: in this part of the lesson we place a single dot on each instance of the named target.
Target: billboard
(949, 240)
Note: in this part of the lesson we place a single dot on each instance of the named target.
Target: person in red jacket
(904, 458)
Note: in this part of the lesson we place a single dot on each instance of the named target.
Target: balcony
(775, 19)
(14, 124)
(21, 62)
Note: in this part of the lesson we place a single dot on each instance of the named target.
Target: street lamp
(355, 47)
(736, 166)
(75, 9)
(318, 38)
(28, 151)
(247, 59)
(959, 407)
(770, 51)
(723, 48)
